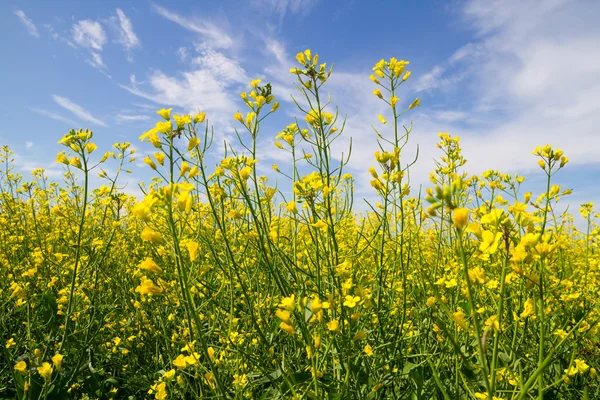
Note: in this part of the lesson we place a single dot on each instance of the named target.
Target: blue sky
(506, 76)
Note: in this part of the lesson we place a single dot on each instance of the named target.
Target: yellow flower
(165, 113)
(148, 161)
(300, 58)
(182, 121)
(393, 101)
(415, 103)
(287, 328)
(57, 360)
(163, 127)
(255, 83)
(459, 318)
(334, 326)
(528, 309)
(542, 164)
(460, 217)
(317, 305)
(180, 362)
(351, 301)
(160, 158)
(10, 343)
(149, 265)
(369, 350)
(148, 287)
(377, 93)
(185, 168)
(238, 117)
(45, 370)
(90, 147)
(308, 55)
(288, 303)
(284, 315)
(320, 224)
(490, 241)
(61, 158)
(21, 367)
(581, 366)
(76, 162)
(383, 121)
(249, 118)
(291, 207)
(150, 235)
(193, 143)
(211, 353)
(192, 250)
(199, 118)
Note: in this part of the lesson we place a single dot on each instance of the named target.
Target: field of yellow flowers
(217, 284)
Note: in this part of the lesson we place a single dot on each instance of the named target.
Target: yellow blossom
(165, 113)
(21, 367)
(45, 370)
(149, 265)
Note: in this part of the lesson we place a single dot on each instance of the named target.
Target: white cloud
(29, 144)
(26, 164)
(54, 35)
(282, 7)
(55, 116)
(132, 118)
(214, 36)
(182, 52)
(542, 80)
(31, 28)
(52, 32)
(430, 80)
(90, 34)
(77, 110)
(207, 87)
(450, 116)
(451, 72)
(527, 84)
(96, 61)
(127, 37)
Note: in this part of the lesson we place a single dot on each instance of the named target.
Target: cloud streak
(127, 37)
(54, 116)
(77, 110)
(214, 36)
(132, 118)
(31, 28)
(90, 34)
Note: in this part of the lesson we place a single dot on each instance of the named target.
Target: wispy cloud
(29, 145)
(77, 110)
(182, 52)
(524, 75)
(207, 86)
(96, 61)
(517, 89)
(90, 34)
(214, 35)
(450, 116)
(132, 118)
(55, 116)
(282, 7)
(452, 71)
(31, 28)
(127, 37)
(55, 35)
